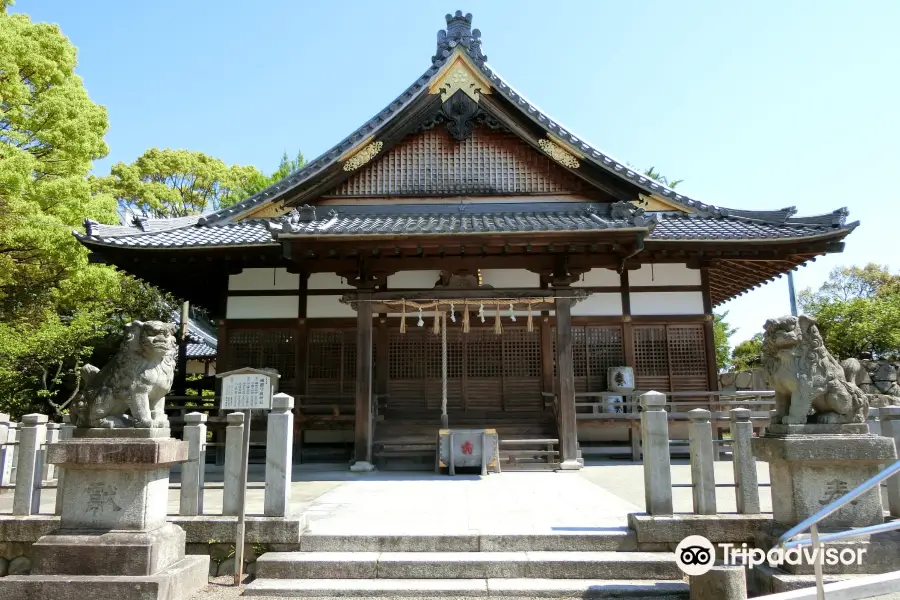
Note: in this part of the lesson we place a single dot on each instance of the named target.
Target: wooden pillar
(382, 355)
(363, 435)
(565, 377)
(222, 361)
(709, 333)
(301, 348)
(180, 387)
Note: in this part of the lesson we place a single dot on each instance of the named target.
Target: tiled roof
(688, 227)
(200, 351)
(454, 219)
(244, 233)
(458, 34)
(461, 219)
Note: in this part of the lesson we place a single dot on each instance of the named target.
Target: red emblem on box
(467, 448)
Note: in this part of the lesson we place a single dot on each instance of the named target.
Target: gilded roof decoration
(559, 154)
(460, 76)
(363, 156)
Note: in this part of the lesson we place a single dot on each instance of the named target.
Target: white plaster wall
(413, 280)
(321, 307)
(666, 303)
(599, 277)
(327, 281)
(664, 274)
(264, 279)
(510, 278)
(262, 307)
(599, 305)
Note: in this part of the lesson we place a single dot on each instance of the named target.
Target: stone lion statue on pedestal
(809, 383)
(135, 381)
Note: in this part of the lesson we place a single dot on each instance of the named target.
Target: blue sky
(760, 104)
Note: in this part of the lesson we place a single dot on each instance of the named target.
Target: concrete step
(614, 539)
(511, 589)
(464, 565)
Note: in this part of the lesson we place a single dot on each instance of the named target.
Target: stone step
(464, 565)
(613, 539)
(512, 589)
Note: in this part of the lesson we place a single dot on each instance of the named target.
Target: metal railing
(811, 524)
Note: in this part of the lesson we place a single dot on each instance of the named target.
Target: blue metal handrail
(812, 523)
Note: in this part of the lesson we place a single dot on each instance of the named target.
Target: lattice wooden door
(670, 358)
(595, 348)
(486, 372)
(265, 348)
(330, 366)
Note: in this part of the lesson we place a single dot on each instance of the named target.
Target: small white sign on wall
(248, 391)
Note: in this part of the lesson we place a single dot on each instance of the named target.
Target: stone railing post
(890, 427)
(66, 430)
(5, 452)
(279, 454)
(12, 439)
(657, 464)
(32, 437)
(234, 437)
(719, 583)
(191, 497)
(746, 484)
(48, 473)
(703, 476)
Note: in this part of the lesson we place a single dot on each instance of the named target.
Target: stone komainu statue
(806, 377)
(135, 381)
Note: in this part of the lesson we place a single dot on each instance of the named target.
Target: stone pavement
(601, 492)
(385, 503)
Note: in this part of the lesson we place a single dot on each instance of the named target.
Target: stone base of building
(175, 582)
(813, 465)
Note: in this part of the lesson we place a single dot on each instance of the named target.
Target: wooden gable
(490, 162)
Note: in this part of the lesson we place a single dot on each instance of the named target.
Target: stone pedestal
(113, 541)
(813, 465)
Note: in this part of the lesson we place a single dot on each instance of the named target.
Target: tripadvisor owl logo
(695, 555)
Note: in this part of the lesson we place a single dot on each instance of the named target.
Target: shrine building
(462, 254)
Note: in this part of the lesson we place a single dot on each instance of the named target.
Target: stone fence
(705, 449)
(23, 469)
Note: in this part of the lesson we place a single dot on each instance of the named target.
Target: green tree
(56, 309)
(722, 332)
(747, 355)
(177, 183)
(287, 166)
(856, 309)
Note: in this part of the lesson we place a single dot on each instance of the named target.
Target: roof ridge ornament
(459, 32)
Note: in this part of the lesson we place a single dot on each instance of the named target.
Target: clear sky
(755, 105)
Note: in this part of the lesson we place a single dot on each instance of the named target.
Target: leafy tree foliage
(857, 309)
(178, 183)
(722, 332)
(56, 309)
(747, 355)
(285, 167)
